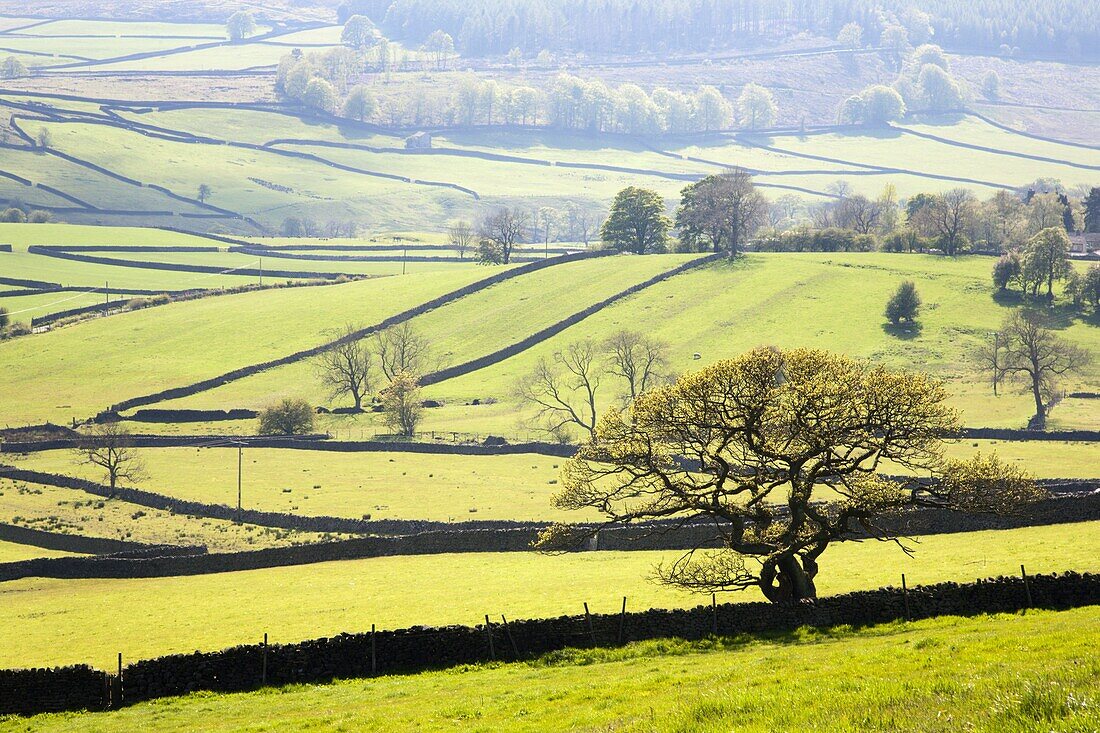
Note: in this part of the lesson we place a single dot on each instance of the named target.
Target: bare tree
(720, 212)
(859, 213)
(563, 389)
(461, 237)
(640, 360)
(949, 216)
(110, 447)
(345, 369)
(990, 357)
(402, 349)
(504, 228)
(1037, 357)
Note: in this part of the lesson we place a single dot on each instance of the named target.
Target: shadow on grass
(906, 331)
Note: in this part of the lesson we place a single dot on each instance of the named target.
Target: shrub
(37, 216)
(290, 416)
(13, 216)
(904, 305)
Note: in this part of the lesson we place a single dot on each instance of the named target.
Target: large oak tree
(778, 452)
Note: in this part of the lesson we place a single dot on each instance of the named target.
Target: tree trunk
(1040, 410)
(788, 582)
(358, 401)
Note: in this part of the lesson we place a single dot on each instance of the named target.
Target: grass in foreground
(47, 621)
(1003, 673)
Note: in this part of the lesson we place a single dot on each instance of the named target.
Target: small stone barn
(419, 141)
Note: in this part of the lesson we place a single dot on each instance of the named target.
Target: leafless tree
(110, 447)
(721, 211)
(948, 217)
(1037, 357)
(990, 358)
(505, 227)
(461, 237)
(400, 349)
(563, 388)
(345, 369)
(859, 213)
(640, 360)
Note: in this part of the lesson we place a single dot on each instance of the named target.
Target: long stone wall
(419, 648)
(556, 328)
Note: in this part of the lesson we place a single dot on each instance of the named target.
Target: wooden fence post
(508, 633)
(588, 619)
(1027, 585)
(263, 673)
(713, 614)
(622, 620)
(489, 633)
(905, 596)
(118, 703)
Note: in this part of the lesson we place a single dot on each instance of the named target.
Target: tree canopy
(637, 222)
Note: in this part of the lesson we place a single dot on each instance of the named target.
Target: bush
(290, 416)
(37, 216)
(13, 216)
(904, 305)
(17, 329)
(1005, 270)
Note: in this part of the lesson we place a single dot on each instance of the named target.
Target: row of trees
(953, 221)
(325, 81)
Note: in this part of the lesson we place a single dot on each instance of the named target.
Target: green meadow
(181, 342)
(831, 301)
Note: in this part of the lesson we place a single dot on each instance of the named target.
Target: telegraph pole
(107, 296)
(240, 462)
(996, 360)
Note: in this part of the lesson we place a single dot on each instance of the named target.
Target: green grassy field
(26, 307)
(45, 621)
(14, 552)
(178, 343)
(470, 327)
(996, 674)
(829, 301)
(65, 511)
(383, 485)
(723, 310)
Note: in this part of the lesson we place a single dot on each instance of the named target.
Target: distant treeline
(486, 27)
